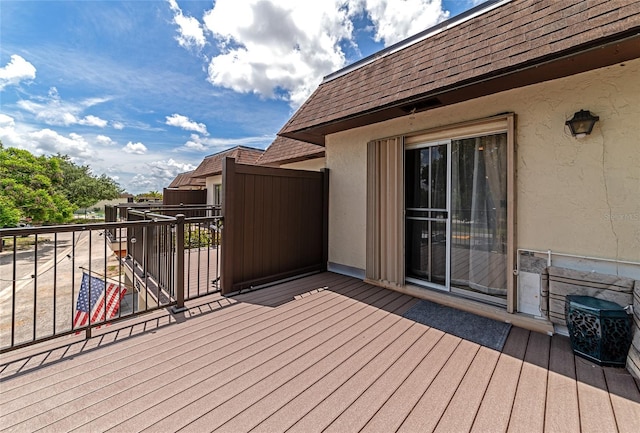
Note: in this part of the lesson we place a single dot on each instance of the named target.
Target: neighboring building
(124, 198)
(453, 175)
(210, 169)
(148, 199)
(187, 181)
(127, 197)
(288, 153)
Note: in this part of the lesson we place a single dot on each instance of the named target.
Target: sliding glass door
(455, 216)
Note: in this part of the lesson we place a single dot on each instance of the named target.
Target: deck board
(562, 411)
(397, 408)
(527, 414)
(439, 393)
(325, 352)
(624, 394)
(146, 370)
(358, 414)
(262, 350)
(353, 381)
(497, 402)
(596, 412)
(263, 384)
(461, 412)
(313, 385)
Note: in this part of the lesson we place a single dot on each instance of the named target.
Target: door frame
(385, 199)
(447, 286)
(504, 123)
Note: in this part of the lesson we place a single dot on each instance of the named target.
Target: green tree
(149, 195)
(29, 186)
(81, 187)
(9, 213)
(47, 189)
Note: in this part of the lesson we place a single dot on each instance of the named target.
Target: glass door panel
(427, 213)
(479, 217)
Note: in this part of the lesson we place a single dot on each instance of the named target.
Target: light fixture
(582, 123)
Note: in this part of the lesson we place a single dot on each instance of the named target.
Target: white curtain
(479, 220)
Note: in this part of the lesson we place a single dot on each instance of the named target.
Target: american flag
(96, 308)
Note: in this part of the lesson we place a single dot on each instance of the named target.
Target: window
(217, 195)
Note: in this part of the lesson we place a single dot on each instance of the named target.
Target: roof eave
(205, 175)
(294, 159)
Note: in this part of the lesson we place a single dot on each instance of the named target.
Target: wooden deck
(324, 353)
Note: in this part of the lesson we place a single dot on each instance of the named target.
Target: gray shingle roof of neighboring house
(517, 43)
(212, 164)
(285, 150)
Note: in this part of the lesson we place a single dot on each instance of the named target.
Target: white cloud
(158, 175)
(8, 134)
(148, 170)
(144, 183)
(47, 141)
(104, 140)
(117, 125)
(282, 49)
(169, 168)
(186, 123)
(17, 70)
(52, 110)
(190, 32)
(270, 47)
(397, 20)
(93, 121)
(135, 148)
(6, 120)
(43, 141)
(197, 143)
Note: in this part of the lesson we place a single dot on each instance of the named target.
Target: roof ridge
(231, 149)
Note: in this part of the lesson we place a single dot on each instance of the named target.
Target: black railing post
(179, 275)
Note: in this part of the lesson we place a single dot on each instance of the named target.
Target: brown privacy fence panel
(275, 224)
(172, 196)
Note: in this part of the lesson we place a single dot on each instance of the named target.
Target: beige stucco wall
(211, 181)
(574, 196)
(315, 164)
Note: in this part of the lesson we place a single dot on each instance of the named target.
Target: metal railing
(62, 280)
(120, 212)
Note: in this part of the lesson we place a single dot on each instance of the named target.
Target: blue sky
(144, 90)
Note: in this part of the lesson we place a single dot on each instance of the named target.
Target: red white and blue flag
(94, 304)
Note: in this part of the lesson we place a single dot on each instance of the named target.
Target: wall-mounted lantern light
(582, 123)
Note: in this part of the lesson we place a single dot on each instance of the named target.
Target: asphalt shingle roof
(186, 179)
(287, 150)
(516, 34)
(212, 164)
